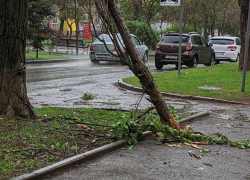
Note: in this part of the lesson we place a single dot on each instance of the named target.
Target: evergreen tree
(38, 10)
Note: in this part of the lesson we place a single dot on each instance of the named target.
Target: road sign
(170, 3)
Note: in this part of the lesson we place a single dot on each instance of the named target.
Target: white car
(98, 51)
(226, 48)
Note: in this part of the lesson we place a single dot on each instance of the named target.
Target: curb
(137, 89)
(151, 53)
(90, 155)
(77, 159)
(52, 60)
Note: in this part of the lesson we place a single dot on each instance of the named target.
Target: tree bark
(206, 27)
(244, 6)
(140, 70)
(14, 101)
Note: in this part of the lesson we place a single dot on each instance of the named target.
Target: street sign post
(170, 2)
(180, 39)
(176, 3)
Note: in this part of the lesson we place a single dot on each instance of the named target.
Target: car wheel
(212, 61)
(145, 57)
(158, 64)
(194, 62)
(95, 61)
(238, 58)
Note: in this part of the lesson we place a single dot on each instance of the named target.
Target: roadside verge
(137, 89)
(90, 155)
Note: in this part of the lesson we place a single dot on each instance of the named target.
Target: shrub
(142, 31)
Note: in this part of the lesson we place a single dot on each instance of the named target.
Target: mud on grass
(28, 145)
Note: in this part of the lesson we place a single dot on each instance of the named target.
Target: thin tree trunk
(206, 27)
(152, 32)
(77, 26)
(195, 27)
(14, 101)
(140, 70)
(61, 28)
(244, 5)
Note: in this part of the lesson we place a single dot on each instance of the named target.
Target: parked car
(226, 48)
(98, 51)
(195, 50)
(97, 30)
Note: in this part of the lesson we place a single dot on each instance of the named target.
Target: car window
(238, 41)
(174, 39)
(107, 38)
(222, 41)
(197, 40)
(136, 41)
(203, 41)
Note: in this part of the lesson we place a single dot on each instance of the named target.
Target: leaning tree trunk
(140, 70)
(14, 101)
(244, 5)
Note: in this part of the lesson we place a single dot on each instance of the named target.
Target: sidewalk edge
(77, 159)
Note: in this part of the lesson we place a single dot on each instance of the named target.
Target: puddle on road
(224, 114)
(82, 103)
(91, 103)
(65, 90)
(108, 103)
(45, 105)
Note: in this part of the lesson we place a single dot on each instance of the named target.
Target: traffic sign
(170, 3)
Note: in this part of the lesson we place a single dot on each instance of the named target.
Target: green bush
(188, 28)
(142, 31)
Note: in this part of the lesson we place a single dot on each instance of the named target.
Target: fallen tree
(113, 22)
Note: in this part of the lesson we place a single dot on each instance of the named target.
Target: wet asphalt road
(62, 84)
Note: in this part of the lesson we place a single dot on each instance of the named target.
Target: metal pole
(180, 39)
(246, 52)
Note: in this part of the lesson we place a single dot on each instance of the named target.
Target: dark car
(195, 50)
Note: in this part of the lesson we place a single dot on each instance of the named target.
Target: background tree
(244, 6)
(38, 10)
(14, 101)
(201, 14)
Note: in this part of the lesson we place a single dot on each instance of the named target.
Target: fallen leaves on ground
(195, 146)
(173, 145)
(193, 155)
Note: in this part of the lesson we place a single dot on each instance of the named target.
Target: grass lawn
(224, 76)
(31, 55)
(28, 145)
